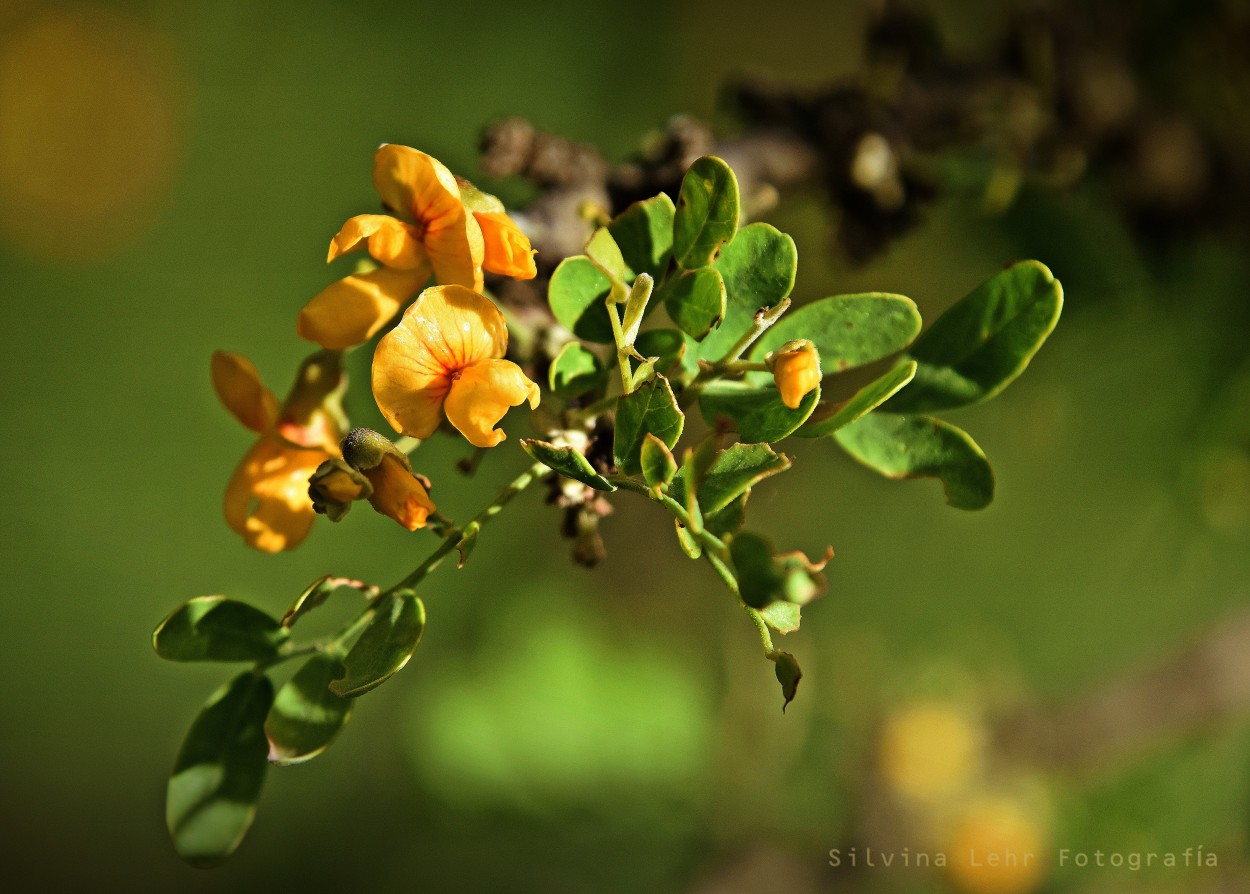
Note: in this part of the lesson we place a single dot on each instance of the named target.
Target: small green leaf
(782, 616)
(605, 254)
(760, 581)
(758, 268)
(665, 345)
(979, 346)
(468, 540)
(651, 409)
(211, 798)
(736, 470)
(865, 401)
(214, 628)
(568, 462)
(707, 212)
(657, 461)
(316, 595)
(788, 675)
(758, 414)
(644, 233)
(636, 306)
(730, 519)
(688, 542)
(575, 371)
(577, 293)
(306, 716)
(644, 372)
(847, 330)
(385, 646)
(695, 301)
(922, 447)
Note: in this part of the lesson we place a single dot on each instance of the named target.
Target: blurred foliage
(186, 213)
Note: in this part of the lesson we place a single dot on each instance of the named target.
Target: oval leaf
(865, 401)
(758, 414)
(575, 371)
(211, 798)
(848, 330)
(758, 268)
(652, 409)
(734, 471)
(214, 628)
(982, 343)
(922, 447)
(577, 294)
(644, 232)
(784, 617)
(385, 646)
(567, 461)
(695, 301)
(666, 346)
(707, 212)
(306, 716)
(605, 254)
(658, 463)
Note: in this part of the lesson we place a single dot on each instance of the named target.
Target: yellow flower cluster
(445, 357)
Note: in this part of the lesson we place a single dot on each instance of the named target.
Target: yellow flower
(446, 356)
(796, 370)
(432, 232)
(267, 496)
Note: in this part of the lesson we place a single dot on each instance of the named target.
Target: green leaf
(922, 447)
(211, 798)
(575, 371)
(644, 232)
(707, 212)
(695, 301)
(385, 646)
(735, 470)
(758, 268)
(865, 401)
(847, 330)
(788, 675)
(784, 617)
(651, 409)
(665, 345)
(689, 543)
(605, 254)
(568, 462)
(316, 595)
(577, 292)
(657, 461)
(466, 543)
(760, 581)
(214, 628)
(982, 343)
(306, 716)
(730, 519)
(757, 413)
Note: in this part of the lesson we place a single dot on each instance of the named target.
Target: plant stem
(759, 325)
(622, 348)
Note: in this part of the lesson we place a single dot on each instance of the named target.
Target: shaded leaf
(847, 330)
(695, 300)
(575, 371)
(922, 447)
(707, 212)
(788, 675)
(211, 798)
(214, 628)
(758, 414)
(385, 646)
(760, 581)
(466, 543)
(651, 409)
(665, 345)
(644, 233)
(861, 404)
(577, 293)
(306, 716)
(983, 342)
(730, 519)
(734, 471)
(568, 462)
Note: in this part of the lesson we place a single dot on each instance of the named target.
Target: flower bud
(796, 370)
(334, 486)
(397, 492)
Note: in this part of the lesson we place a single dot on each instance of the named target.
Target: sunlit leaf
(651, 409)
(861, 404)
(577, 293)
(782, 616)
(657, 461)
(695, 300)
(847, 330)
(757, 413)
(734, 471)
(306, 716)
(707, 212)
(644, 233)
(567, 461)
(575, 371)
(605, 254)
(385, 646)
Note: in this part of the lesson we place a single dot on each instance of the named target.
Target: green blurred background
(169, 176)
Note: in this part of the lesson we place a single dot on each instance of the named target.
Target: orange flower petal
(391, 241)
(267, 497)
(482, 394)
(239, 388)
(507, 249)
(352, 310)
(796, 373)
(399, 494)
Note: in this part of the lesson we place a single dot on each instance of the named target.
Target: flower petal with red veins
(482, 394)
